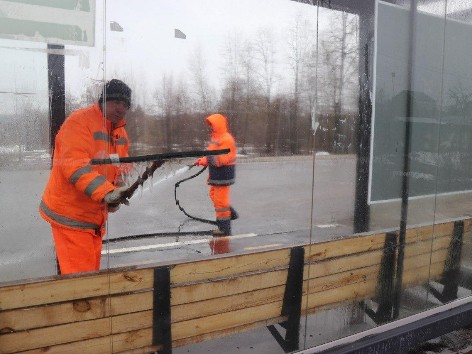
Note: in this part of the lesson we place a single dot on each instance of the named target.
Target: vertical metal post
(57, 99)
(364, 129)
(452, 267)
(406, 159)
(162, 334)
(386, 282)
(292, 303)
(57, 94)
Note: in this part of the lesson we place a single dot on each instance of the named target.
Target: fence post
(161, 333)
(385, 285)
(292, 303)
(452, 274)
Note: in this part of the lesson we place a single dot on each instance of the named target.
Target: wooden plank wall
(112, 311)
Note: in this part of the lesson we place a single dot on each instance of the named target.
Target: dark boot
(224, 226)
(234, 213)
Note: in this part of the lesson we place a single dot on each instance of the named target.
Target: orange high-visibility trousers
(220, 196)
(77, 250)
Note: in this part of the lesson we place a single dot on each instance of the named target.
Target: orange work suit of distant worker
(222, 170)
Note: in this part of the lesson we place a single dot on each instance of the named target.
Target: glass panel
(350, 121)
(27, 249)
(344, 84)
(35, 73)
(186, 61)
(253, 62)
(454, 152)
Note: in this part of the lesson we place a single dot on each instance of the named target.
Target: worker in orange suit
(221, 172)
(78, 195)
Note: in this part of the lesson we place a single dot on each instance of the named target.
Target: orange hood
(217, 123)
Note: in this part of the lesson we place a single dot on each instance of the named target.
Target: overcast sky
(147, 48)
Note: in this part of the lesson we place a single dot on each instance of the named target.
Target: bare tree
(165, 99)
(339, 59)
(300, 43)
(265, 55)
(198, 71)
(247, 62)
(233, 87)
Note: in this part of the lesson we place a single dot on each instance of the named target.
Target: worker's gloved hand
(202, 161)
(111, 208)
(116, 196)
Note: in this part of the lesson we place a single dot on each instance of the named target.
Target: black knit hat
(116, 90)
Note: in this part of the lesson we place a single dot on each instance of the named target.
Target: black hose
(178, 203)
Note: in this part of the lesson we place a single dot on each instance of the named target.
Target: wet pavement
(273, 197)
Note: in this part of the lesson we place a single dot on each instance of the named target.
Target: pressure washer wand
(141, 179)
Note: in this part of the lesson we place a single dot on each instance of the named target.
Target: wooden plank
(252, 298)
(443, 229)
(412, 263)
(426, 247)
(48, 336)
(230, 303)
(74, 311)
(340, 280)
(226, 287)
(351, 292)
(418, 234)
(144, 350)
(137, 341)
(428, 232)
(100, 345)
(422, 275)
(226, 320)
(73, 332)
(229, 266)
(50, 315)
(344, 247)
(468, 225)
(440, 255)
(343, 264)
(73, 288)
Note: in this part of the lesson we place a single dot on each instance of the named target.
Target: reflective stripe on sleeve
(66, 221)
(121, 141)
(102, 136)
(92, 186)
(79, 173)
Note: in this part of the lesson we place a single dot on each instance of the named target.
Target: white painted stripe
(261, 247)
(325, 226)
(168, 245)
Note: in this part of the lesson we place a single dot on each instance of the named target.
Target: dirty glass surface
(24, 160)
(350, 119)
(33, 64)
(255, 64)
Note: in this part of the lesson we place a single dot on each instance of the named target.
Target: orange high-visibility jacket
(221, 167)
(74, 194)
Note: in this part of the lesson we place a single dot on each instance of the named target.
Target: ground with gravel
(457, 342)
